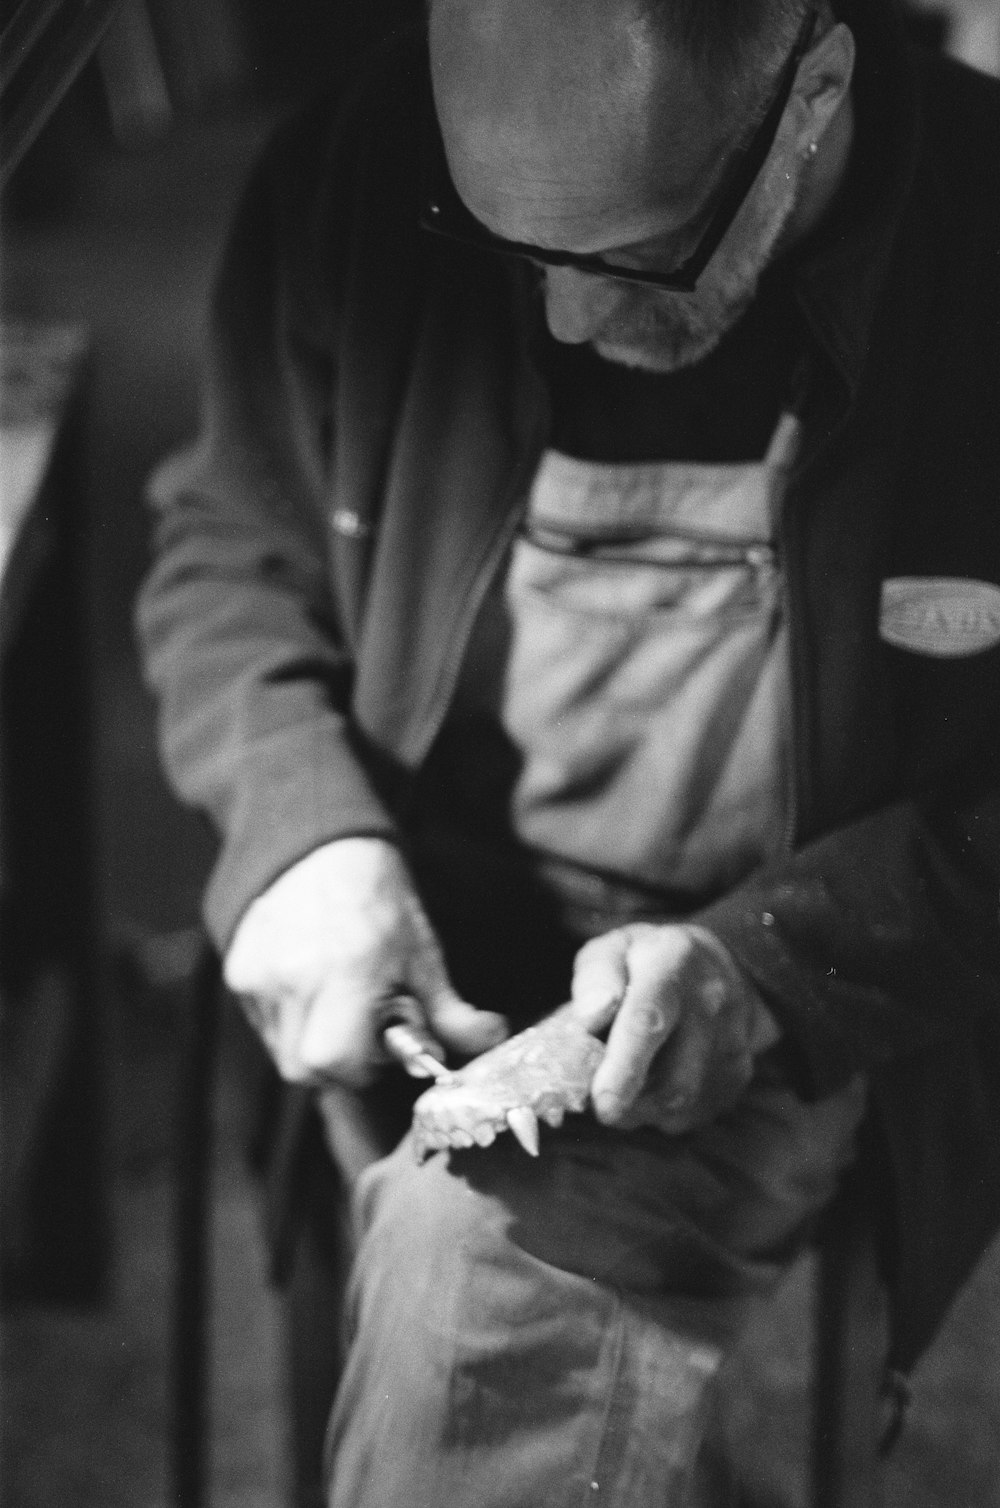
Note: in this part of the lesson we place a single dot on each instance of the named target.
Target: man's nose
(577, 304)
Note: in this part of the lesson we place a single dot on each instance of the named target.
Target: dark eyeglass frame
(443, 213)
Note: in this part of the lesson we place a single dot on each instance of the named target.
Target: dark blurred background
(113, 221)
(111, 226)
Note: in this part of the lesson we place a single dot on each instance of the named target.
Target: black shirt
(724, 408)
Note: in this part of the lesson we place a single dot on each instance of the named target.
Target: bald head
(547, 106)
(603, 129)
(561, 115)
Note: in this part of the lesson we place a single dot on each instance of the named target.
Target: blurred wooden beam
(21, 33)
(45, 45)
(134, 84)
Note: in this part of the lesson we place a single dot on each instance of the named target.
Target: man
(588, 587)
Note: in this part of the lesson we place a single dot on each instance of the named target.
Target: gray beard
(677, 330)
(668, 342)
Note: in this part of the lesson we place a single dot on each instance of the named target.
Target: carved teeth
(524, 1124)
(554, 1115)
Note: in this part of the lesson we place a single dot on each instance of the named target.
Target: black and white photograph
(500, 753)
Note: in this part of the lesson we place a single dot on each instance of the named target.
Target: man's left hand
(685, 1025)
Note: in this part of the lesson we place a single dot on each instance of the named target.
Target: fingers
(341, 1036)
(461, 1027)
(337, 1034)
(600, 977)
(646, 1018)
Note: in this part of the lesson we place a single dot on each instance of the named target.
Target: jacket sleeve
(237, 623)
(876, 939)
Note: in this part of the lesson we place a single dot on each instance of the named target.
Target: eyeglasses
(444, 214)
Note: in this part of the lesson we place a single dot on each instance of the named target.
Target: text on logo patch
(945, 616)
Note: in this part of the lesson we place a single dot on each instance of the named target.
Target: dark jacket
(372, 415)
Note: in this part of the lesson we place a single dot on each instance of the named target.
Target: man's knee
(417, 1226)
(708, 1216)
(452, 1241)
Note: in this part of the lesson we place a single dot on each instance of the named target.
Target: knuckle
(713, 995)
(594, 951)
(238, 973)
(649, 1018)
(670, 947)
(441, 1003)
(292, 1070)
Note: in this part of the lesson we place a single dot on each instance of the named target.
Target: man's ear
(825, 75)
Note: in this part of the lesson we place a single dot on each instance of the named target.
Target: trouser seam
(609, 1404)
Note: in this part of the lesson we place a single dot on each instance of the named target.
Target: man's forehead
(572, 134)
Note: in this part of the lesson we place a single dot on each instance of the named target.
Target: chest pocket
(691, 581)
(645, 684)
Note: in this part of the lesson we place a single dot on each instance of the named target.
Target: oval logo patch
(945, 616)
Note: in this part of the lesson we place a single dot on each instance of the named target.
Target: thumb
(461, 1026)
(456, 1023)
(600, 977)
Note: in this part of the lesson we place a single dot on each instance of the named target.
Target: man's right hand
(320, 958)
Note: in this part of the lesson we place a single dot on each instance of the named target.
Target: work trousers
(545, 1333)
